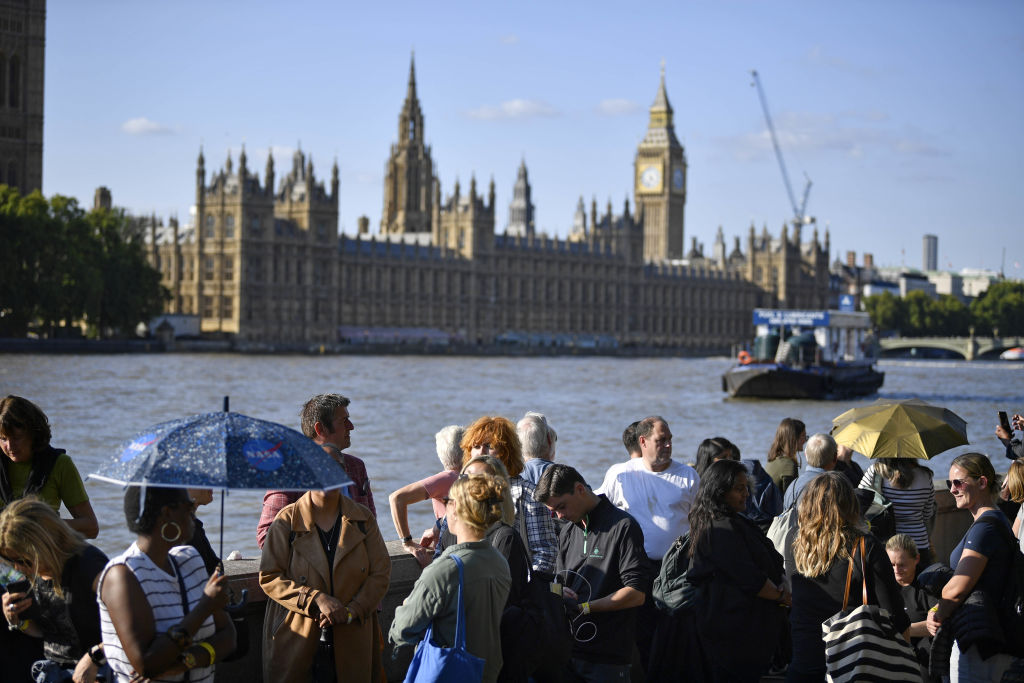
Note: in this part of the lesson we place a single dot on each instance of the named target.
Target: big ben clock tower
(660, 182)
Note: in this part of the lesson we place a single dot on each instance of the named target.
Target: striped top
(912, 507)
(164, 594)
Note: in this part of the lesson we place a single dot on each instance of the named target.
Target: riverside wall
(950, 525)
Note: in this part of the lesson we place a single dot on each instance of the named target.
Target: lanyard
(586, 519)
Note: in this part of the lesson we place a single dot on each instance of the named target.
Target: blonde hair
(31, 530)
(829, 522)
(478, 499)
(1015, 481)
(502, 437)
(508, 510)
(902, 542)
(900, 471)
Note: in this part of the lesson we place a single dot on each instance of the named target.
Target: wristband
(22, 625)
(407, 539)
(349, 616)
(585, 608)
(97, 656)
(934, 608)
(209, 648)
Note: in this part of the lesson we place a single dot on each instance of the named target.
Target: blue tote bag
(446, 664)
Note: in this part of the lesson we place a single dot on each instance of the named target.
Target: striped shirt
(912, 507)
(164, 595)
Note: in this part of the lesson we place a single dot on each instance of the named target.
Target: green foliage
(1001, 308)
(61, 266)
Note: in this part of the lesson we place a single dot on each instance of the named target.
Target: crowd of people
(541, 575)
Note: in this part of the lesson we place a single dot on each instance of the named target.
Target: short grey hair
(534, 432)
(820, 450)
(448, 450)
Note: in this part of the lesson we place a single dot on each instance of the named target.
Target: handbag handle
(460, 619)
(863, 575)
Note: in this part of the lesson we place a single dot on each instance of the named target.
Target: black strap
(184, 601)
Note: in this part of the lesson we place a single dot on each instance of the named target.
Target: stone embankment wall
(950, 525)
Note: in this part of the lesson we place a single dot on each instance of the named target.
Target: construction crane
(799, 215)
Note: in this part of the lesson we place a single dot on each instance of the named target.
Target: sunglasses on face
(953, 484)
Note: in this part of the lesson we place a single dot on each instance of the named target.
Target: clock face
(650, 178)
(677, 178)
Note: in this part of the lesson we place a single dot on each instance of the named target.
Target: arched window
(14, 83)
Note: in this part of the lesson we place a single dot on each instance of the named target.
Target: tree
(952, 317)
(1000, 307)
(888, 312)
(61, 266)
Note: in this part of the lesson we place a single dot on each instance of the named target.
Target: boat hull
(774, 380)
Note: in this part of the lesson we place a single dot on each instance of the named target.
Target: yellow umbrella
(911, 428)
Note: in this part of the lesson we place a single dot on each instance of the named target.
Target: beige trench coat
(293, 571)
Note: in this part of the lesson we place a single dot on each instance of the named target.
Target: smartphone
(1005, 421)
(22, 586)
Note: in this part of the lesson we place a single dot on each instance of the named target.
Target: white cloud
(852, 133)
(510, 39)
(144, 126)
(618, 107)
(513, 109)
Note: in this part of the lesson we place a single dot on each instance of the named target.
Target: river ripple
(95, 402)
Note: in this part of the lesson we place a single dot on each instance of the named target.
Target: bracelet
(585, 608)
(209, 648)
(934, 608)
(350, 617)
(22, 625)
(97, 656)
(188, 659)
(407, 539)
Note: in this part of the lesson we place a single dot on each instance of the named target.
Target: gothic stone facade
(269, 266)
(22, 52)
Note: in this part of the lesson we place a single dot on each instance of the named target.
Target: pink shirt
(437, 488)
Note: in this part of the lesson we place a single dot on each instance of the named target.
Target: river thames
(97, 402)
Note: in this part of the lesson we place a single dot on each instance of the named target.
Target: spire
(410, 93)
(661, 99)
(660, 129)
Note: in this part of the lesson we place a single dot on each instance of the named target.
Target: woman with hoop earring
(161, 614)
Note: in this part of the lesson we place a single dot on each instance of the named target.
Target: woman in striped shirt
(908, 486)
(162, 616)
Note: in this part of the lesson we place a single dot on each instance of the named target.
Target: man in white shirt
(656, 490)
(658, 493)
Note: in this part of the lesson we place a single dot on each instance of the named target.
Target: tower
(931, 253)
(409, 181)
(22, 52)
(520, 211)
(660, 182)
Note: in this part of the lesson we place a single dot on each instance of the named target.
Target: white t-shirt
(659, 501)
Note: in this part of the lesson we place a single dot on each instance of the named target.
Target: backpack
(879, 515)
(782, 533)
(1011, 607)
(672, 591)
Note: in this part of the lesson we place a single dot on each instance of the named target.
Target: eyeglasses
(952, 484)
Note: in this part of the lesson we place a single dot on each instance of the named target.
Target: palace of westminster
(266, 266)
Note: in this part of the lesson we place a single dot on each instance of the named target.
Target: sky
(907, 116)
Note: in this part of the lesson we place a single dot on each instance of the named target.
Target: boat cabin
(809, 336)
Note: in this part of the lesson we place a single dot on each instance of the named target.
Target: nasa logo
(263, 455)
(136, 447)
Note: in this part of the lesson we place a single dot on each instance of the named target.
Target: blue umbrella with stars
(223, 451)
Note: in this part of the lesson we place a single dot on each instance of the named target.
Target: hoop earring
(163, 532)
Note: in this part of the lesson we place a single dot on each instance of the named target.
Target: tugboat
(806, 354)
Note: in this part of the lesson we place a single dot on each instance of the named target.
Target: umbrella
(223, 451)
(910, 428)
